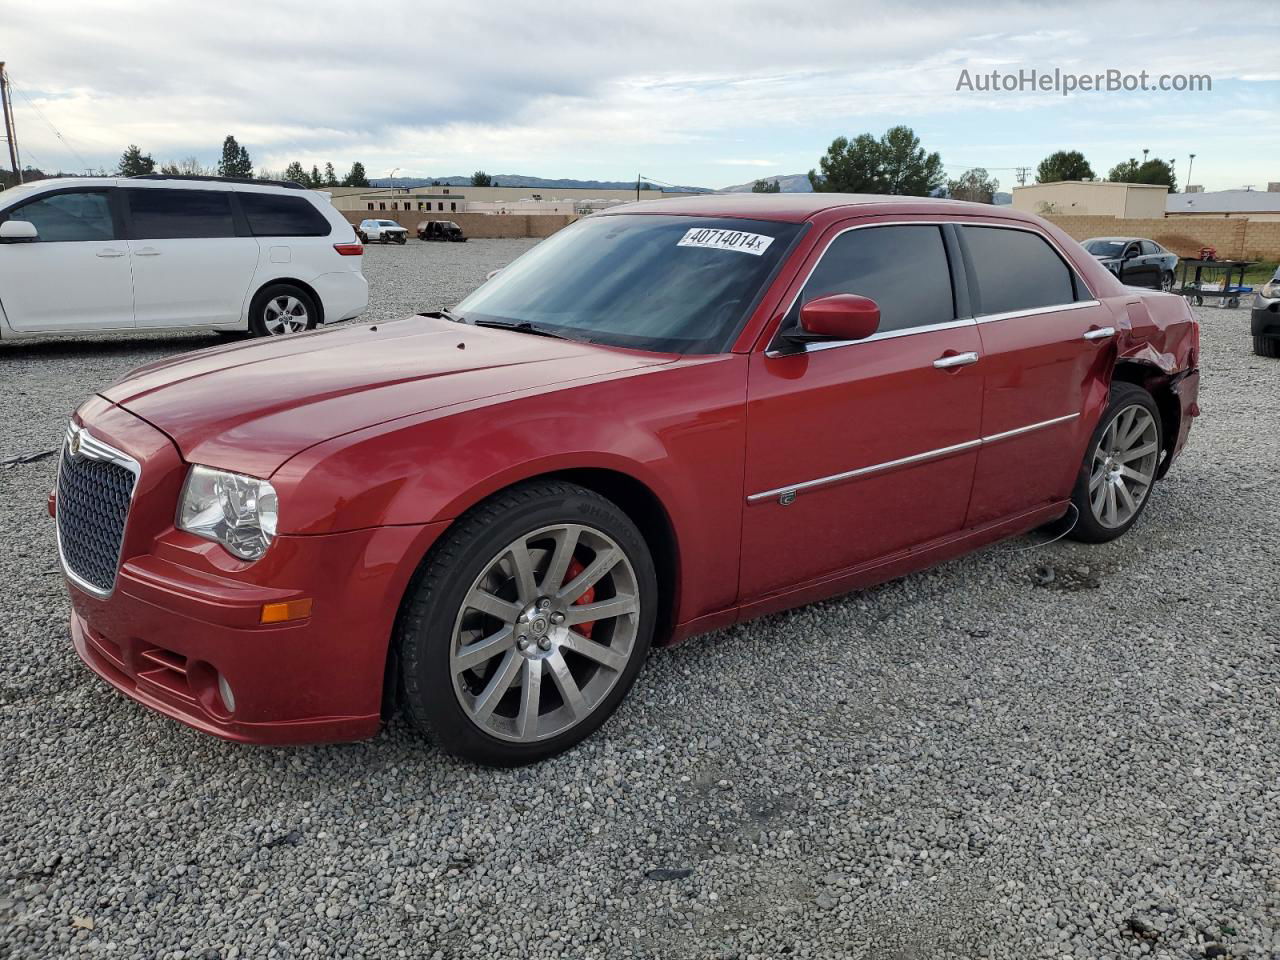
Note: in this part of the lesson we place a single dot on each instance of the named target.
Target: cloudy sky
(707, 93)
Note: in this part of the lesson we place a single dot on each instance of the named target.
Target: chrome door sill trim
(788, 493)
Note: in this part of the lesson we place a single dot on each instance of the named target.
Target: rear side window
(270, 215)
(1149, 248)
(161, 214)
(1017, 270)
(902, 268)
(69, 217)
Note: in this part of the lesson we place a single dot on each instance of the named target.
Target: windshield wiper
(524, 326)
(443, 314)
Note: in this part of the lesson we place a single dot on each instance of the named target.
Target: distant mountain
(1002, 198)
(519, 180)
(787, 182)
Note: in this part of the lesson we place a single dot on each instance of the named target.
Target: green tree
(135, 163)
(295, 173)
(908, 171)
(974, 185)
(235, 160)
(481, 179)
(1154, 171)
(357, 177)
(314, 178)
(1064, 165)
(330, 178)
(850, 167)
(766, 186)
(170, 169)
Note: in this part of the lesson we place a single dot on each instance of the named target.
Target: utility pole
(10, 136)
(1189, 163)
(1022, 175)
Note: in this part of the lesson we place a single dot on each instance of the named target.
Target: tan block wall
(1234, 239)
(478, 225)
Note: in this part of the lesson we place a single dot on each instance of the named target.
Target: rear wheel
(1119, 469)
(1267, 347)
(282, 309)
(528, 625)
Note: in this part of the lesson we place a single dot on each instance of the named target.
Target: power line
(56, 132)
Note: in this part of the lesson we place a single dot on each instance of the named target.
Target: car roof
(798, 207)
(1116, 239)
(155, 183)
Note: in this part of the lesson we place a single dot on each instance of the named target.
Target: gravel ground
(964, 763)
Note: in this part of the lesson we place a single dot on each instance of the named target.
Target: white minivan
(91, 255)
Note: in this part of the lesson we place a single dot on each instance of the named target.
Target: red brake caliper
(575, 568)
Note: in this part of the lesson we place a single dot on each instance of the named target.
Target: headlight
(236, 511)
(1271, 290)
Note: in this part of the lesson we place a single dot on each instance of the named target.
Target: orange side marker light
(284, 612)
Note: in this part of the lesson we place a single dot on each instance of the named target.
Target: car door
(75, 275)
(857, 451)
(191, 265)
(1044, 357)
(1139, 269)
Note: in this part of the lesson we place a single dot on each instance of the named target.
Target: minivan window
(1016, 270)
(902, 268)
(161, 214)
(270, 215)
(81, 215)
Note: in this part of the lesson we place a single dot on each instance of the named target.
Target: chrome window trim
(773, 351)
(906, 461)
(94, 449)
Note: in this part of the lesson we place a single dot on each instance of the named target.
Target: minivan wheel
(282, 309)
(527, 625)
(1119, 469)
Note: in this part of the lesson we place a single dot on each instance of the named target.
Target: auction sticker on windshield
(752, 243)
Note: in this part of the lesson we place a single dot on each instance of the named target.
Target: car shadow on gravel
(123, 345)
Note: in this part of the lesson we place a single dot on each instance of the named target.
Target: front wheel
(1166, 281)
(402, 239)
(527, 625)
(1119, 469)
(1267, 347)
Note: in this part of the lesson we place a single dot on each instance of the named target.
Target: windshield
(665, 283)
(1105, 248)
(387, 223)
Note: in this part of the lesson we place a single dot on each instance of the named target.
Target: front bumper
(183, 623)
(1265, 320)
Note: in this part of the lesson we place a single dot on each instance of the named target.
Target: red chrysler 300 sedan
(660, 421)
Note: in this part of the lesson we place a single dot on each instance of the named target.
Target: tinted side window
(69, 217)
(902, 268)
(1148, 247)
(270, 215)
(161, 214)
(1017, 270)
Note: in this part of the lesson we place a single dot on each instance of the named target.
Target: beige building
(1094, 198)
(467, 199)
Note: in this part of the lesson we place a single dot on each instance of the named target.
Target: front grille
(93, 505)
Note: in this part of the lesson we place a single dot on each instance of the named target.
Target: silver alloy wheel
(523, 623)
(283, 315)
(1124, 466)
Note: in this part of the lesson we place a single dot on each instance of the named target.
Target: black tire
(1088, 528)
(1167, 281)
(258, 320)
(425, 627)
(1267, 347)
(402, 239)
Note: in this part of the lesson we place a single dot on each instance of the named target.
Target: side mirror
(18, 231)
(841, 316)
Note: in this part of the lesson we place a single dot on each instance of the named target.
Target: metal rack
(1213, 278)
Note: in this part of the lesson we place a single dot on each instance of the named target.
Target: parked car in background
(1137, 262)
(444, 230)
(490, 514)
(381, 231)
(93, 255)
(1265, 323)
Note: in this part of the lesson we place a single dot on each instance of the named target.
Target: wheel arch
(301, 284)
(1159, 384)
(634, 497)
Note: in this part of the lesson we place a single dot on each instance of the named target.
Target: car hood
(250, 407)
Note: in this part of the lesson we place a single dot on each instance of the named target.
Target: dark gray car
(1137, 261)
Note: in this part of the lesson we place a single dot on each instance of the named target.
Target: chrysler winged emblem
(73, 442)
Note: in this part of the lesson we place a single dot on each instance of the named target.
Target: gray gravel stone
(961, 763)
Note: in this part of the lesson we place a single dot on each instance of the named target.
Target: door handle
(147, 252)
(110, 253)
(1102, 333)
(956, 360)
